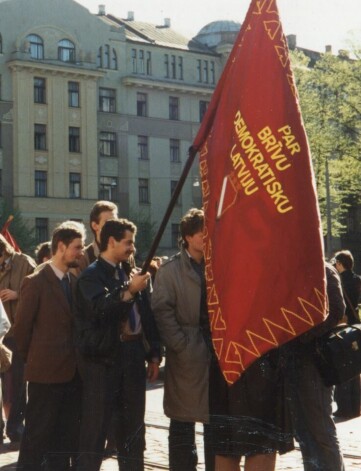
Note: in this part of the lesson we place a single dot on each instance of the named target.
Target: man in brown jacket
(43, 333)
(13, 269)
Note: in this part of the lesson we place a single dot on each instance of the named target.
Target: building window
(199, 70)
(108, 188)
(41, 229)
(74, 139)
(107, 56)
(36, 46)
(203, 105)
(173, 107)
(74, 185)
(143, 190)
(205, 72)
(142, 101)
(99, 61)
(39, 137)
(166, 65)
(114, 62)
(213, 73)
(0, 87)
(173, 67)
(143, 153)
(141, 61)
(108, 144)
(149, 63)
(74, 94)
(180, 68)
(134, 61)
(107, 101)
(1, 182)
(1, 44)
(41, 183)
(66, 51)
(39, 90)
(175, 235)
(1, 137)
(174, 150)
(173, 185)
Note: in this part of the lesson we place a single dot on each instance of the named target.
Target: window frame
(143, 191)
(40, 136)
(74, 139)
(107, 100)
(36, 46)
(41, 183)
(73, 95)
(74, 185)
(107, 144)
(40, 90)
(66, 51)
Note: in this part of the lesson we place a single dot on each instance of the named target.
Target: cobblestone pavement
(156, 455)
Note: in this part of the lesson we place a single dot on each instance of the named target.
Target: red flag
(263, 242)
(6, 233)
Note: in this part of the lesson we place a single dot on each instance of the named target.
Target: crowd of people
(87, 328)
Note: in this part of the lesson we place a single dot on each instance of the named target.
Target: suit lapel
(56, 289)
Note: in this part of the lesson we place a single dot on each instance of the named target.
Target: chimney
(328, 49)
(292, 41)
(167, 22)
(101, 10)
(130, 16)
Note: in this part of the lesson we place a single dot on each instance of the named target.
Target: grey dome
(217, 32)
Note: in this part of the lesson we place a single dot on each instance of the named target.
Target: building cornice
(58, 69)
(175, 87)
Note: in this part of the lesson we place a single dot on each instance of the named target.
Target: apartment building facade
(97, 107)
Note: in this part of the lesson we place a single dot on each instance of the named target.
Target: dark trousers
(114, 393)
(14, 392)
(182, 447)
(347, 397)
(52, 417)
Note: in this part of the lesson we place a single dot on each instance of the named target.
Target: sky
(316, 23)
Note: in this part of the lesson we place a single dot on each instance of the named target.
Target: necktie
(65, 283)
(123, 277)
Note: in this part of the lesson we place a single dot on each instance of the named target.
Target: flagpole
(192, 152)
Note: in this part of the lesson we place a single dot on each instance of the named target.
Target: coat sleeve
(26, 315)
(164, 305)
(90, 291)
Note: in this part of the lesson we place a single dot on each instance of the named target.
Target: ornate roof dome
(217, 32)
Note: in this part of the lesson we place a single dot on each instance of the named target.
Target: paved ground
(157, 438)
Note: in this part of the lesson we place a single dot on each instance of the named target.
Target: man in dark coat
(43, 333)
(348, 394)
(113, 328)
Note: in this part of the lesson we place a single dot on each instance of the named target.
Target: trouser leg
(311, 408)
(130, 430)
(182, 446)
(97, 404)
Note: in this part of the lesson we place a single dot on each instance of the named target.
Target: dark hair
(345, 258)
(191, 223)
(66, 232)
(43, 250)
(5, 247)
(98, 208)
(115, 228)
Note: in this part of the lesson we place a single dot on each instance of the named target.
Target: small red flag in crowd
(6, 233)
(263, 241)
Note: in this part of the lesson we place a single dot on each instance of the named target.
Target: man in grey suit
(43, 333)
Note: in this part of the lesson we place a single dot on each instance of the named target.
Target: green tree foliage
(330, 99)
(23, 235)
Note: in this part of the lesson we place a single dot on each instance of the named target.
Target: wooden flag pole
(191, 156)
